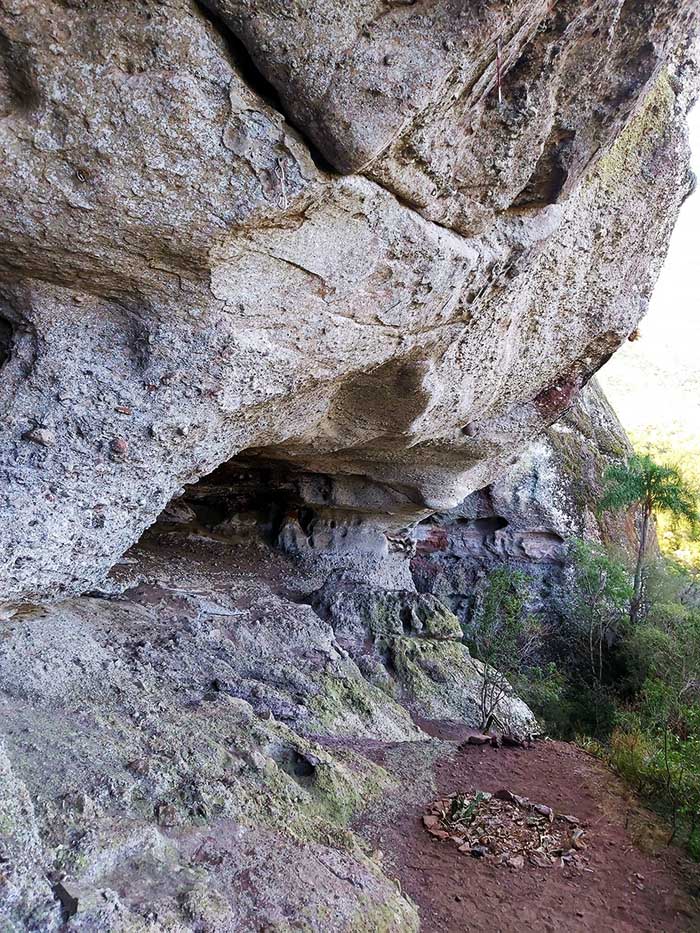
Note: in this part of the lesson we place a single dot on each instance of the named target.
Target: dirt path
(631, 880)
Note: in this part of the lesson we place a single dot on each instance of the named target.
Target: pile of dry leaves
(507, 827)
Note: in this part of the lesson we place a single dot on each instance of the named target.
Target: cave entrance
(254, 497)
(242, 499)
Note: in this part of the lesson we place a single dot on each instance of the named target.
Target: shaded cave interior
(254, 498)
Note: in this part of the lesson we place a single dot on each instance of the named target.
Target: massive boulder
(382, 242)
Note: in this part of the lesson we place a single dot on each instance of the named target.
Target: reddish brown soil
(631, 881)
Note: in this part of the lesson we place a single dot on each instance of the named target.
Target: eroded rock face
(404, 91)
(187, 749)
(529, 517)
(186, 276)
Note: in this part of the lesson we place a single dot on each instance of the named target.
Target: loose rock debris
(507, 827)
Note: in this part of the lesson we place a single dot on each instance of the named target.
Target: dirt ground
(630, 879)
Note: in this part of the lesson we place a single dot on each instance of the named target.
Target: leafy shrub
(503, 635)
(543, 688)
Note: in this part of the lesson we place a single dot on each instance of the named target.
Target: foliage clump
(618, 666)
(503, 636)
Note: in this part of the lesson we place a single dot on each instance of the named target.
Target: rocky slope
(176, 751)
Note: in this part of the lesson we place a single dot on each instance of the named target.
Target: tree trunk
(636, 604)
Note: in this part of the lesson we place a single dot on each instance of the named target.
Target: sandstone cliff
(528, 518)
(385, 242)
(278, 281)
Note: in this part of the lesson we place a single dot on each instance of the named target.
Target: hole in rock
(293, 763)
(551, 172)
(7, 334)
(487, 526)
(407, 620)
(18, 86)
(541, 545)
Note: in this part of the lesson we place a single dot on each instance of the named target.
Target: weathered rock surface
(183, 751)
(331, 267)
(186, 278)
(528, 518)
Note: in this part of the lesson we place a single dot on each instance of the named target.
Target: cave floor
(629, 878)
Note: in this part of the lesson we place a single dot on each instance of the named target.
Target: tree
(652, 487)
(600, 595)
(664, 652)
(593, 604)
(502, 635)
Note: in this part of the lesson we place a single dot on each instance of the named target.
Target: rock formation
(384, 242)
(277, 282)
(529, 516)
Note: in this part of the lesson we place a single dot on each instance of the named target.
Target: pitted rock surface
(185, 276)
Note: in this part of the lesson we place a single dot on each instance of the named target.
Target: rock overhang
(184, 281)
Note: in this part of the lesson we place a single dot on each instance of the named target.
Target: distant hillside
(654, 383)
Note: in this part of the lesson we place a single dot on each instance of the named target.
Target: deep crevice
(551, 172)
(245, 66)
(68, 903)
(487, 525)
(17, 76)
(7, 339)
(251, 75)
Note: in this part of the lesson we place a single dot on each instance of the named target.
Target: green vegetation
(681, 449)
(503, 636)
(654, 488)
(618, 668)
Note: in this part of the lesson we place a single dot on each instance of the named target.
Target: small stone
(568, 818)
(544, 810)
(40, 436)
(166, 814)
(479, 851)
(119, 448)
(139, 766)
(479, 740)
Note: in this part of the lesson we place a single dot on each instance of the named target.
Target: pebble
(166, 814)
(119, 448)
(479, 740)
(42, 436)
